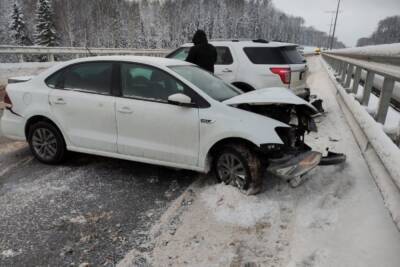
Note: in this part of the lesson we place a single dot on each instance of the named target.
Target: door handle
(125, 110)
(60, 101)
(226, 70)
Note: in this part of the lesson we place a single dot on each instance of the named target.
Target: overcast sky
(359, 18)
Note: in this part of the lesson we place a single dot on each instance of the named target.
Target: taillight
(7, 101)
(284, 74)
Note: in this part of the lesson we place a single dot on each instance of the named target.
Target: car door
(150, 127)
(225, 67)
(82, 104)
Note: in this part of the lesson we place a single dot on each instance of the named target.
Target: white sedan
(164, 112)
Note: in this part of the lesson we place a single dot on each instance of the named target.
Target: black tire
(249, 160)
(53, 148)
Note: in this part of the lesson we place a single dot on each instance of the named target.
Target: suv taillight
(7, 101)
(284, 74)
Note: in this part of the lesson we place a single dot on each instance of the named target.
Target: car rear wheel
(46, 143)
(239, 166)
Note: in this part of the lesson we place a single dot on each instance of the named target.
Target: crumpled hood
(269, 96)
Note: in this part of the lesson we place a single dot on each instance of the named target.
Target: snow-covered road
(336, 218)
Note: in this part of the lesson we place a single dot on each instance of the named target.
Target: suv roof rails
(261, 41)
(240, 40)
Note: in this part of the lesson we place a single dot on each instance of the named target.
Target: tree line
(148, 23)
(387, 32)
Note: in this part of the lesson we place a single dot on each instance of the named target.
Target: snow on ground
(336, 218)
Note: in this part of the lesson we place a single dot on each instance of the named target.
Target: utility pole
(328, 42)
(334, 27)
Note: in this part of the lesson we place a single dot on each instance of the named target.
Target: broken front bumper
(296, 166)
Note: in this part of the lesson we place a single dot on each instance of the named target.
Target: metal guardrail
(50, 52)
(349, 64)
(380, 153)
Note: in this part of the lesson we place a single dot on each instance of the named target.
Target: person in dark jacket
(202, 53)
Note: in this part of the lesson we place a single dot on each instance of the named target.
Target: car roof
(156, 61)
(247, 43)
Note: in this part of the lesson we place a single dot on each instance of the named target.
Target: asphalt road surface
(88, 210)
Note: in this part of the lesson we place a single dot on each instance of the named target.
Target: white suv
(257, 64)
(160, 111)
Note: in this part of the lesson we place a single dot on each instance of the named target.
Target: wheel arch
(38, 118)
(214, 148)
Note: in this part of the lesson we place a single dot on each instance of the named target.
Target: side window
(145, 82)
(54, 81)
(93, 77)
(180, 54)
(224, 56)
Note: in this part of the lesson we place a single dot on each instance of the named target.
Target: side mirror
(180, 100)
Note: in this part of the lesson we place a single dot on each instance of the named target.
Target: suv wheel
(239, 166)
(46, 143)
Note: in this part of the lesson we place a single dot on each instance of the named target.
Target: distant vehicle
(160, 111)
(257, 64)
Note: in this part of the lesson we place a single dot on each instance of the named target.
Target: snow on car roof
(157, 61)
(154, 61)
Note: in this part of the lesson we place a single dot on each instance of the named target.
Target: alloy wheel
(44, 143)
(231, 170)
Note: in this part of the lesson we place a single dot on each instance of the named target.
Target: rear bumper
(295, 166)
(12, 126)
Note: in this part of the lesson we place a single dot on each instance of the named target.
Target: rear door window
(93, 77)
(224, 56)
(273, 55)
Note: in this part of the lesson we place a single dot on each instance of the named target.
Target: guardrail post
(348, 76)
(343, 72)
(50, 57)
(384, 100)
(340, 65)
(369, 81)
(356, 80)
(336, 66)
(21, 58)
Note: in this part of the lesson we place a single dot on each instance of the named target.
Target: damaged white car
(161, 111)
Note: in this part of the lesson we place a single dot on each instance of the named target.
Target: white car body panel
(158, 131)
(258, 76)
(88, 119)
(167, 134)
(229, 122)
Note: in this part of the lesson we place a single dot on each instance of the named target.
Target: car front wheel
(46, 143)
(239, 166)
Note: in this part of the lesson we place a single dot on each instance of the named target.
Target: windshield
(211, 85)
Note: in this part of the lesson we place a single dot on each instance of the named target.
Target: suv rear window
(273, 55)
